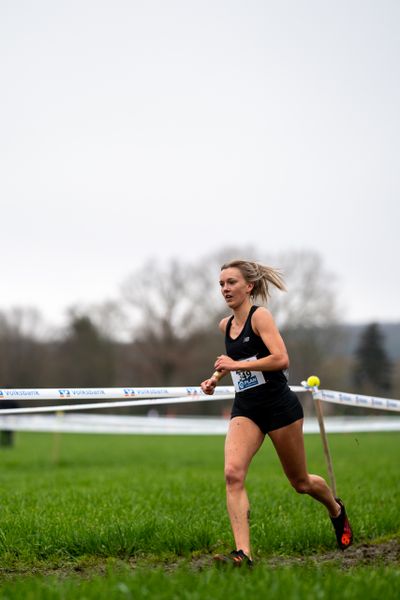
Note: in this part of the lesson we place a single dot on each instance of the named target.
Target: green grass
(291, 584)
(117, 501)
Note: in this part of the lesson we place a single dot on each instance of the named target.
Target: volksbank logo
(65, 393)
(19, 393)
(129, 392)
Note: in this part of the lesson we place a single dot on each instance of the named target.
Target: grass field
(140, 517)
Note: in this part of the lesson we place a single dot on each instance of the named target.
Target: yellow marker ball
(313, 381)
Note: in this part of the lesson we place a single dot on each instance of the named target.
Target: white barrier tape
(109, 393)
(145, 400)
(356, 400)
(117, 424)
(115, 404)
(112, 424)
(167, 395)
(103, 393)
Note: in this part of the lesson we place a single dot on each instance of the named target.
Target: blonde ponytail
(260, 275)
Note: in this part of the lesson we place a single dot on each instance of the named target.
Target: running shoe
(236, 558)
(341, 524)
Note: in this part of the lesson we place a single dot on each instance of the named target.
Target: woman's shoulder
(261, 317)
(223, 323)
(261, 312)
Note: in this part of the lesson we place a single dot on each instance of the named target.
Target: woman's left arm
(263, 325)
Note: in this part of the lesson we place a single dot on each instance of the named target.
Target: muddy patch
(384, 553)
(368, 554)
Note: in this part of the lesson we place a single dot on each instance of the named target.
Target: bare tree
(109, 318)
(170, 300)
(166, 308)
(311, 297)
(308, 313)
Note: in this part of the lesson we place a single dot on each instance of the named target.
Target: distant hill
(351, 335)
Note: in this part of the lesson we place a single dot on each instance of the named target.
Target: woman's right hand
(208, 386)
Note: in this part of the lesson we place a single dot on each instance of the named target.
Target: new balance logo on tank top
(254, 385)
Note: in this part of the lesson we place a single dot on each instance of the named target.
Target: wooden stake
(324, 438)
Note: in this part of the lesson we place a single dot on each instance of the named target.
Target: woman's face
(234, 287)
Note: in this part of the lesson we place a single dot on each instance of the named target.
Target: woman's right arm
(208, 386)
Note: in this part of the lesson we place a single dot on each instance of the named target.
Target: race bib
(244, 380)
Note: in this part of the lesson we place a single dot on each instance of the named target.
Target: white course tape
(137, 397)
(164, 395)
(117, 393)
(157, 425)
(356, 400)
(105, 393)
(114, 404)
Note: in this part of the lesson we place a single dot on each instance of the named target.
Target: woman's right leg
(243, 440)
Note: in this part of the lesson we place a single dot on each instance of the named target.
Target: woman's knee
(302, 485)
(234, 475)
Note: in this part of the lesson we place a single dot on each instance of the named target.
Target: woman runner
(256, 357)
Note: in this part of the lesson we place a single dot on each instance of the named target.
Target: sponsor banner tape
(123, 397)
(357, 400)
(117, 393)
(105, 393)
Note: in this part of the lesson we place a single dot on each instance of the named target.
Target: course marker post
(320, 416)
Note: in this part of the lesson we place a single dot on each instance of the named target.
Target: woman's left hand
(224, 363)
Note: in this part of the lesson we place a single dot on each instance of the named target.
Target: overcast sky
(135, 129)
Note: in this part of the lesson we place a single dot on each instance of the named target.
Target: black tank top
(248, 344)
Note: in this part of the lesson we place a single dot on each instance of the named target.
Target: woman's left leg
(289, 445)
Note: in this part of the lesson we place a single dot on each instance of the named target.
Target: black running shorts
(271, 414)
